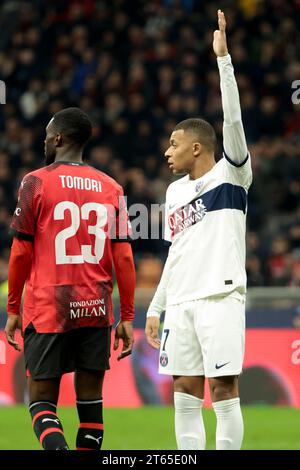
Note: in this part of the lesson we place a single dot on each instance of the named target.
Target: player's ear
(197, 149)
(58, 140)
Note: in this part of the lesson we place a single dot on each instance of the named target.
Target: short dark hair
(74, 124)
(203, 131)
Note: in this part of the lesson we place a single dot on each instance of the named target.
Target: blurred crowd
(137, 67)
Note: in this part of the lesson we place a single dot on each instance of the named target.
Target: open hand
(124, 331)
(13, 323)
(151, 331)
(220, 42)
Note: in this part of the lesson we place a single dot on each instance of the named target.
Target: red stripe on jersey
(83, 448)
(91, 425)
(42, 413)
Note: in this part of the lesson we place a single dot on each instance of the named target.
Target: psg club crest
(198, 186)
(163, 359)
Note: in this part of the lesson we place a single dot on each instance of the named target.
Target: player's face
(180, 153)
(50, 149)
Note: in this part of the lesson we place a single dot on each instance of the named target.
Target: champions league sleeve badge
(198, 186)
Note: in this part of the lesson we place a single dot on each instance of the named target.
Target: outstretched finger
(125, 353)
(221, 21)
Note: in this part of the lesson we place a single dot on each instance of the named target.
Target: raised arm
(234, 140)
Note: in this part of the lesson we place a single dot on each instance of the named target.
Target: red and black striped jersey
(73, 213)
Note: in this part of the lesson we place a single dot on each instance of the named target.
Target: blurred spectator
(280, 261)
(148, 272)
(138, 68)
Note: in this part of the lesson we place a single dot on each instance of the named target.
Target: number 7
(167, 331)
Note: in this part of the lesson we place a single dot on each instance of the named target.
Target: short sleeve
(28, 205)
(240, 174)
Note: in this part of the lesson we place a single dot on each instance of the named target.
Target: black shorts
(50, 355)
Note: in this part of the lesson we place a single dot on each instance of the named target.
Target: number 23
(77, 215)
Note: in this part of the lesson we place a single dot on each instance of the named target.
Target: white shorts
(204, 337)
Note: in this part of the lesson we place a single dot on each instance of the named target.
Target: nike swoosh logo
(221, 365)
(88, 436)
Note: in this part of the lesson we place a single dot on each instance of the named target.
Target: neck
(205, 164)
(70, 155)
